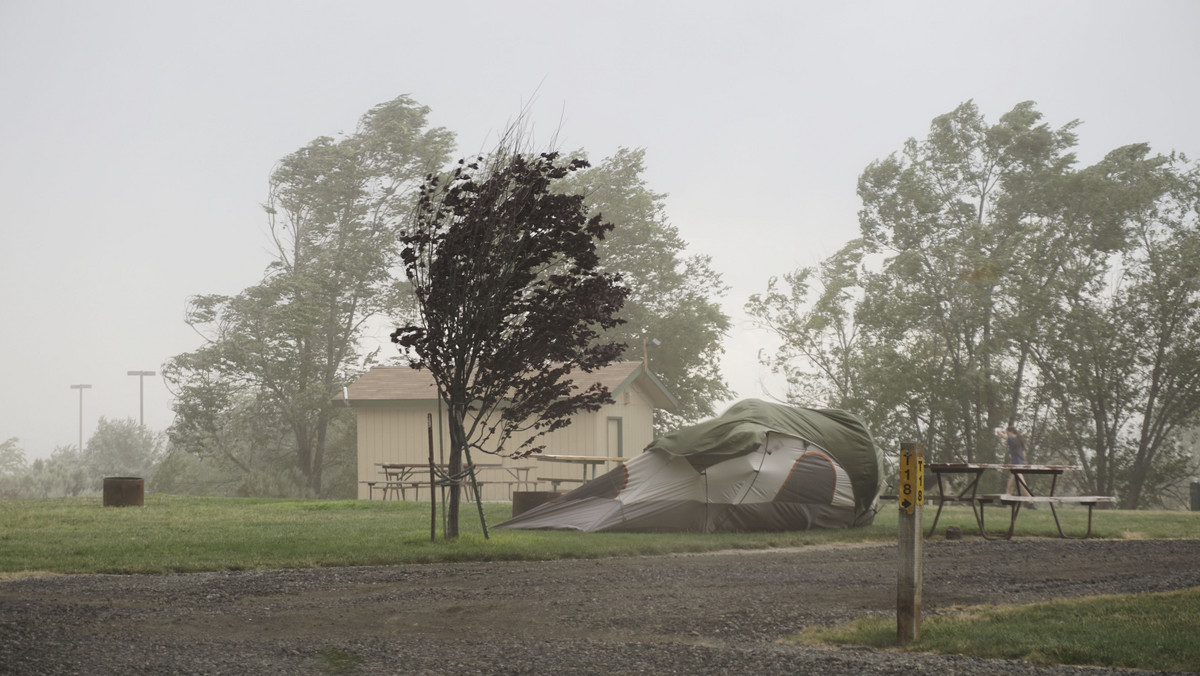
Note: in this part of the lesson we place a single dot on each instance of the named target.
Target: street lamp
(81, 388)
(141, 394)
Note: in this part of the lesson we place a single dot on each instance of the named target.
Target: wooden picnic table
(398, 477)
(586, 461)
(969, 493)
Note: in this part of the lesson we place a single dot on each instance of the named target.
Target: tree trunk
(457, 415)
(318, 460)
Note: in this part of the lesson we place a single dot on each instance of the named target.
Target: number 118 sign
(912, 481)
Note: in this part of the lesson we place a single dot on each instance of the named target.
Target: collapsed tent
(757, 467)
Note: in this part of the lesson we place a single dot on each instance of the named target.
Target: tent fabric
(759, 466)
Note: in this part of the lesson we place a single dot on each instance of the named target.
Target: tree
(1123, 360)
(980, 294)
(671, 296)
(12, 457)
(12, 468)
(121, 448)
(284, 347)
(510, 300)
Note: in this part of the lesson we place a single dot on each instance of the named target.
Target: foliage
(276, 354)
(1142, 631)
(12, 468)
(510, 300)
(121, 448)
(116, 448)
(996, 283)
(12, 457)
(671, 295)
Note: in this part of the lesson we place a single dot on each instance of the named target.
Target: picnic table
(510, 476)
(399, 477)
(586, 461)
(969, 493)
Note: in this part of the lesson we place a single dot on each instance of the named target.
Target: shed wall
(398, 433)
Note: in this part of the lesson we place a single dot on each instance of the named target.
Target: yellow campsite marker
(912, 480)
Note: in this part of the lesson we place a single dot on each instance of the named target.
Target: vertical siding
(398, 434)
(391, 434)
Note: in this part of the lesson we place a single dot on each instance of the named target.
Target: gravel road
(683, 614)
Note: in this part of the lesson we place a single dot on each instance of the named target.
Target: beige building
(396, 405)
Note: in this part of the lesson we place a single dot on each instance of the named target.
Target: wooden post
(910, 496)
(433, 482)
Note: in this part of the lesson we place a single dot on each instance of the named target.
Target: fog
(136, 138)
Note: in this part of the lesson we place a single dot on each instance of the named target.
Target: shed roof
(383, 384)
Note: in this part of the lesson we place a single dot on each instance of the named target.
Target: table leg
(971, 488)
(941, 502)
(1016, 507)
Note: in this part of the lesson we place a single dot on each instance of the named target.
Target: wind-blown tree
(980, 294)
(672, 296)
(285, 346)
(13, 468)
(12, 457)
(121, 448)
(1122, 362)
(941, 221)
(511, 302)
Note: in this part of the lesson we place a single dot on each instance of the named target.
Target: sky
(136, 138)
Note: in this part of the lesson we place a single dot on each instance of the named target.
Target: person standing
(1016, 456)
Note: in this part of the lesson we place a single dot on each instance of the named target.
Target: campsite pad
(699, 614)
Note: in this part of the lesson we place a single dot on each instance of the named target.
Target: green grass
(187, 534)
(1111, 524)
(1144, 631)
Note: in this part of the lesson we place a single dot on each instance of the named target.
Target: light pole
(81, 388)
(141, 394)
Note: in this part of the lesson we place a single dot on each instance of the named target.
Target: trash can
(1196, 496)
(124, 491)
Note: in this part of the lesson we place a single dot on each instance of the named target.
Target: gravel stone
(693, 614)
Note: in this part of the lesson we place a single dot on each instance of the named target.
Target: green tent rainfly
(757, 467)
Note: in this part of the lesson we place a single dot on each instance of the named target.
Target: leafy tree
(1122, 362)
(671, 295)
(121, 448)
(511, 302)
(282, 349)
(812, 310)
(12, 468)
(980, 294)
(12, 457)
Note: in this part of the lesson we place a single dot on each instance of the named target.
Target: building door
(616, 444)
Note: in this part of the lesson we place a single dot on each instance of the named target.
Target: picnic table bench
(1016, 501)
(969, 493)
(556, 480)
(400, 477)
(586, 462)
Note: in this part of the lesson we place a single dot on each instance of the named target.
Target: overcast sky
(136, 138)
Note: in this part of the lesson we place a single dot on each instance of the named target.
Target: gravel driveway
(682, 614)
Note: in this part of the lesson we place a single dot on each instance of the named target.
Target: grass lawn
(187, 534)
(1135, 631)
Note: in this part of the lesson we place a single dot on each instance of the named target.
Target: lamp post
(141, 394)
(81, 388)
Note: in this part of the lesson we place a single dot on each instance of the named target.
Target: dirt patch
(697, 614)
